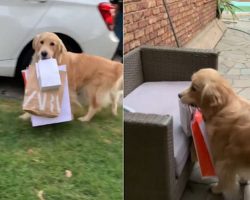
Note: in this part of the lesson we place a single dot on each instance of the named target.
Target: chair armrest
(132, 71)
(149, 157)
(175, 64)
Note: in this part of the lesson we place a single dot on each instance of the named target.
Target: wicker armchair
(148, 138)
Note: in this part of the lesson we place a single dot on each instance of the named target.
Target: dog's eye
(193, 88)
(52, 44)
(41, 42)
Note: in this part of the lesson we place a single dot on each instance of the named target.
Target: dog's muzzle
(44, 55)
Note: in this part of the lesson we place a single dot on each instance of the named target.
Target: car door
(17, 19)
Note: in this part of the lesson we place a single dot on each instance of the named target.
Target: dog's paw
(24, 117)
(215, 188)
(84, 119)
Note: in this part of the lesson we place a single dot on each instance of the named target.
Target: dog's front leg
(90, 114)
(227, 184)
(25, 116)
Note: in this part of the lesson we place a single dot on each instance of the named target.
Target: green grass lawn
(35, 159)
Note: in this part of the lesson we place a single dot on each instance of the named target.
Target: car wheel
(24, 60)
(70, 44)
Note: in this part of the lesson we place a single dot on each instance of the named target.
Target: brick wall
(146, 21)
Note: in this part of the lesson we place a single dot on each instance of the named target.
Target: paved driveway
(234, 59)
(11, 88)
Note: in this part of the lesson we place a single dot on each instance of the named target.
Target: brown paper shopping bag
(42, 103)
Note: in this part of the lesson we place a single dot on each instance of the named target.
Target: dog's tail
(119, 83)
(107, 96)
(118, 89)
(115, 92)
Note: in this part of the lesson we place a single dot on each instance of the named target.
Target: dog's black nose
(179, 95)
(44, 54)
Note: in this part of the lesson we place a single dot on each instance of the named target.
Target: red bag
(24, 77)
(202, 147)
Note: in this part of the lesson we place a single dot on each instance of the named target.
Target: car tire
(23, 61)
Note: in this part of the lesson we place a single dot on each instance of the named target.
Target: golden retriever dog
(227, 119)
(100, 78)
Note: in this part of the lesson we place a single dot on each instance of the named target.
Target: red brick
(129, 37)
(142, 23)
(149, 29)
(137, 16)
(147, 13)
(139, 33)
(156, 26)
(160, 31)
(126, 47)
(146, 21)
(152, 20)
(156, 11)
(151, 4)
(153, 35)
(134, 44)
(142, 5)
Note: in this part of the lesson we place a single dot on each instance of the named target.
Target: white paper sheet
(48, 74)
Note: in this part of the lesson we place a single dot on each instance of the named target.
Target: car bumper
(109, 40)
(7, 68)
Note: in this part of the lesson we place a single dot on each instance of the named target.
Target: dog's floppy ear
(60, 49)
(211, 95)
(35, 41)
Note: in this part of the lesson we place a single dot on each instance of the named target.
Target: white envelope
(48, 74)
(65, 114)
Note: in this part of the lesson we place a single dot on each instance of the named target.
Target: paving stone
(245, 93)
(241, 83)
(245, 71)
(244, 77)
(236, 57)
(239, 65)
(238, 90)
(231, 76)
(238, 52)
(226, 62)
(248, 64)
(234, 72)
(224, 69)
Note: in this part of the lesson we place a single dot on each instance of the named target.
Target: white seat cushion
(162, 98)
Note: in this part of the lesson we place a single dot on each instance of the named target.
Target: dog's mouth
(45, 58)
(190, 104)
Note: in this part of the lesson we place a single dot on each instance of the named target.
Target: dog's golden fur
(100, 78)
(227, 118)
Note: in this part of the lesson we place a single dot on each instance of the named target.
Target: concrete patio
(234, 60)
(234, 64)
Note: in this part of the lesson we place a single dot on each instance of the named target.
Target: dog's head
(48, 45)
(208, 89)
